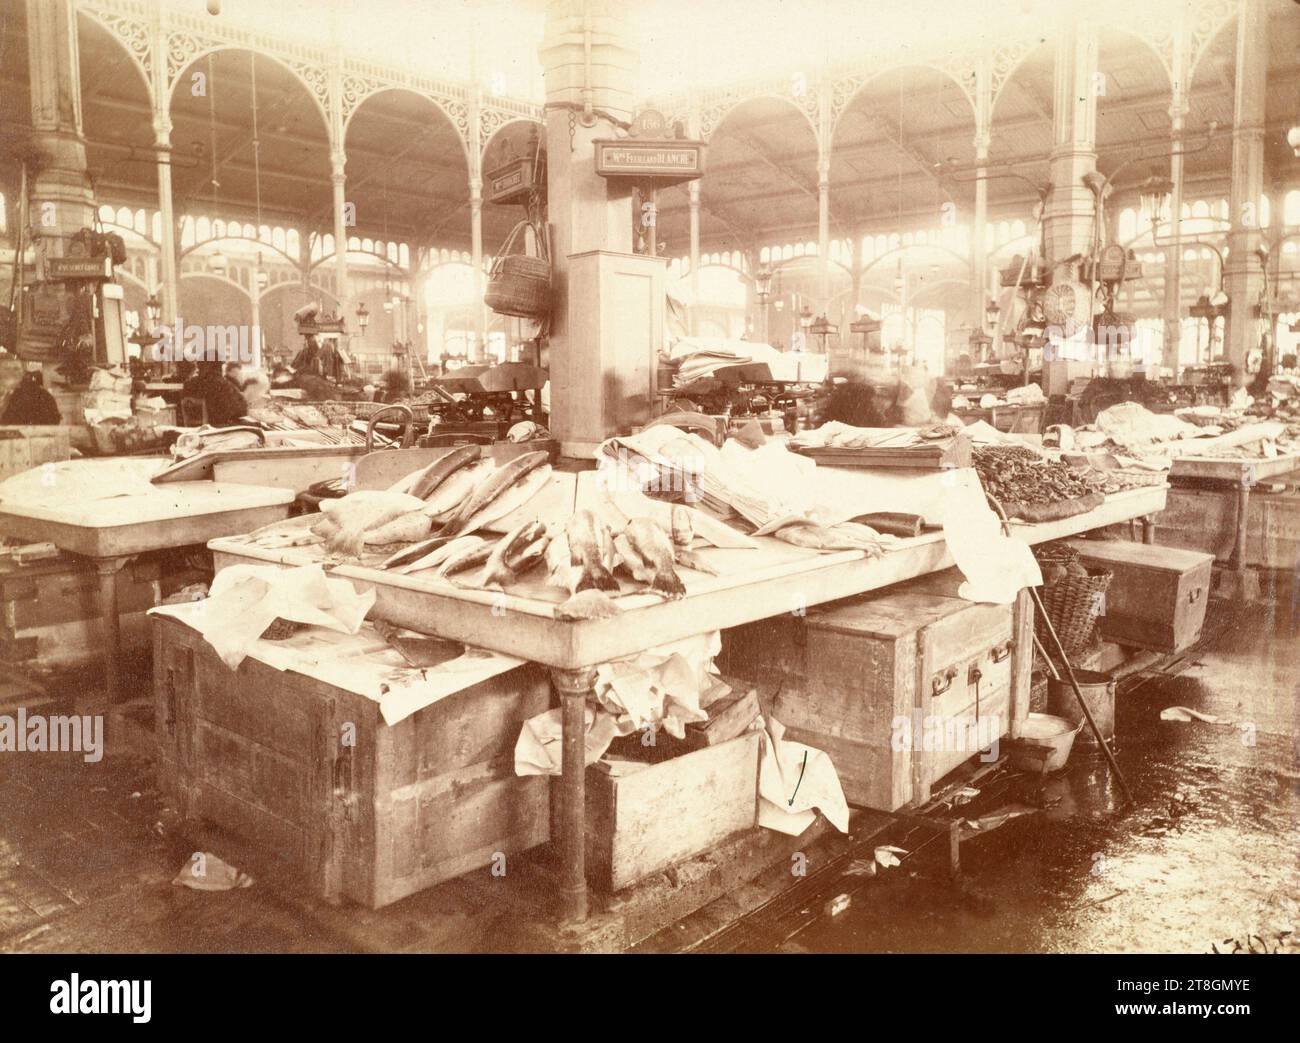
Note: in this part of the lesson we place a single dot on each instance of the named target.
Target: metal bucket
(1098, 692)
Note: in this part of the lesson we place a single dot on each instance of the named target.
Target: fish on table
(517, 552)
(580, 560)
(648, 553)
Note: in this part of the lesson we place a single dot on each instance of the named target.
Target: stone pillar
(1244, 271)
(62, 202)
(600, 317)
(1068, 216)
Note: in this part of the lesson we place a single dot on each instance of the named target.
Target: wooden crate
(1158, 595)
(641, 823)
(22, 448)
(257, 751)
(847, 675)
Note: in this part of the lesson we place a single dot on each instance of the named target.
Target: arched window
(1291, 208)
(765, 255)
(1127, 224)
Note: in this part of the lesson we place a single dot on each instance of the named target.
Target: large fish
(440, 554)
(513, 498)
(477, 509)
(413, 525)
(443, 468)
(648, 553)
(441, 505)
(844, 536)
(361, 511)
(517, 552)
(578, 560)
(463, 559)
(445, 500)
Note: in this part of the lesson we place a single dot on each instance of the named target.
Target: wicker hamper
(520, 285)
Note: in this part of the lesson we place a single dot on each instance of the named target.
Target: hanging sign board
(669, 161)
(511, 183)
(96, 268)
(1110, 267)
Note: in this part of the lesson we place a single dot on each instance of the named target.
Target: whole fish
(649, 555)
(591, 548)
(443, 468)
(478, 508)
(465, 558)
(361, 511)
(690, 559)
(577, 561)
(440, 554)
(413, 525)
(513, 498)
(844, 536)
(453, 490)
(517, 552)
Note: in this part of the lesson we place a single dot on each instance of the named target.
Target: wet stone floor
(1209, 857)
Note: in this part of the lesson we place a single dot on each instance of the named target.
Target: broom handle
(1078, 694)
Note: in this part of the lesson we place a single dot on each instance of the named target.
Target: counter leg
(574, 687)
(108, 569)
(1245, 584)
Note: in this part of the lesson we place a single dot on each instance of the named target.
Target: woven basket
(520, 285)
(1074, 604)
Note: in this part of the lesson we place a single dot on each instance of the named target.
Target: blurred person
(225, 403)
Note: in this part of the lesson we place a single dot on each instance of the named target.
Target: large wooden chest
(899, 687)
(259, 751)
(663, 813)
(1158, 595)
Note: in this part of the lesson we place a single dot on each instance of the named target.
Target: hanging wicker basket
(1075, 598)
(520, 285)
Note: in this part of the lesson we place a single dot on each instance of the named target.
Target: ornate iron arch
(357, 90)
(1209, 19)
(181, 58)
(133, 33)
(846, 88)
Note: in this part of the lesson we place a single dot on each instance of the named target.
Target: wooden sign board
(669, 161)
(511, 183)
(61, 268)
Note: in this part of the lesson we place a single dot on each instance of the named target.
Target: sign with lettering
(511, 183)
(58, 268)
(667, 161)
